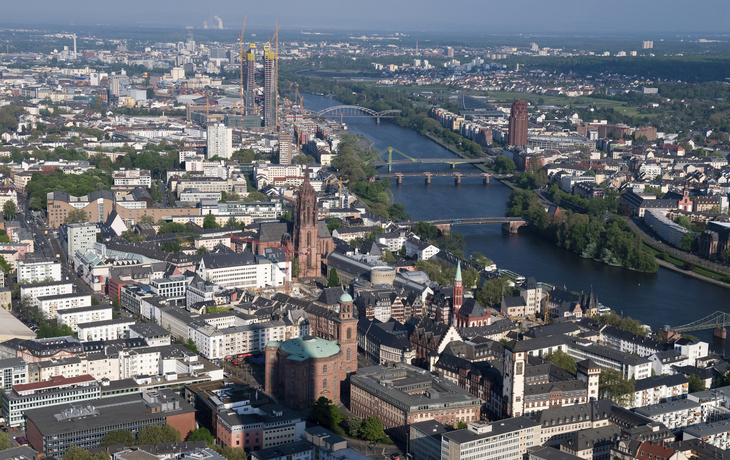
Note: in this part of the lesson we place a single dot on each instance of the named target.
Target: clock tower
(306, 231)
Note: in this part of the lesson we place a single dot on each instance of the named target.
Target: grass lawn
(680, 263)
(510, 96)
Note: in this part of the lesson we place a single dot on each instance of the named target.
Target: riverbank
(457, 153)
(706, 279)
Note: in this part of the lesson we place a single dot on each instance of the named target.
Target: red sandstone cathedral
(312, 240)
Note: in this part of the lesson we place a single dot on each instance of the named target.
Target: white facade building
(31, 292)
(132, 178)
(220, 342)
(243, 270)
(49, 305)
(80, 237)
(220, 141)
(112, 329)
(72, 317)
(36, 271)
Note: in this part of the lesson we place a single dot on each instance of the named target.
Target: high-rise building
(250, 79)
(449, 52)
(647, 44)
(79, 237)
(285, 147)
(269, 87)
(220, 141)
(306, 231)
(518, 122)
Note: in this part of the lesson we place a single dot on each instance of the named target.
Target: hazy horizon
(668, 17)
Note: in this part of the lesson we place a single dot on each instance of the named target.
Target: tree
(397, 212)
(375, 232)
(461, 425)
(334, 224)
(76, 453)
(353, 426)
(334, 280)
(492, 291)
(614, 386)
(157, 434)
(190, 345)
(230, 453)
(327, 414)
(387, 257)
(201, 434)
(146, 219)
(4, 265)
(562, 360)
(201, 250)
(696, 384)
(9, 210)
(113, 438)
(426, 230)
(503, 165)
(171, 246)
(150, 93)
(687, 242)
(320, 412)
(210, 221)
(372, 429)
(75, 216)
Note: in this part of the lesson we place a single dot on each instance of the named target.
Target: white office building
(220, 141)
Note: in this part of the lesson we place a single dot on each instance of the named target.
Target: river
(657, 299)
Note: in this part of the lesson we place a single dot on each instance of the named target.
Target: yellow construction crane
(240, 42)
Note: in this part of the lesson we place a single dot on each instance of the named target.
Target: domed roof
(345, 298)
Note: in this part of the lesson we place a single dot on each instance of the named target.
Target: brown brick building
(100, 203)
(303, 369)
(518, 123)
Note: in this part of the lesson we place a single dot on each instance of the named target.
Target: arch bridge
(357, 111)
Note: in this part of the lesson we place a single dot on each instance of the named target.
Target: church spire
(458, 271)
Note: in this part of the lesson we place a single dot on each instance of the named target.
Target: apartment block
(36, 271)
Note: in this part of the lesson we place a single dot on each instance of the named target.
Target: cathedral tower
(306, 232)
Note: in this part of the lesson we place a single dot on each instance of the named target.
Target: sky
(464, 16)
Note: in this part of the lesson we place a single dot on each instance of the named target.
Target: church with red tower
(309, 243)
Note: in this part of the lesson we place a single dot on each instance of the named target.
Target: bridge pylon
(457, 179)
(428, 177)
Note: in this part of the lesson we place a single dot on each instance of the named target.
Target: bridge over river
(428, 175)
(509, 224)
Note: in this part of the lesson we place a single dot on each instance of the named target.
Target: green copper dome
(345, 298)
